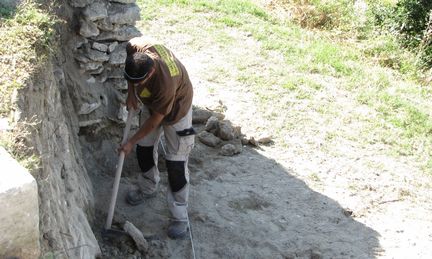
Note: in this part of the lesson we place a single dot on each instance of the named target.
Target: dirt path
(312, 194)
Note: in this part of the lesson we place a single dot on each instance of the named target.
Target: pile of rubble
(222, 134)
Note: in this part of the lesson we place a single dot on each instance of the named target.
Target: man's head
(137, 67)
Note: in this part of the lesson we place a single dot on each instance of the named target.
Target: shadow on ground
(244, 206)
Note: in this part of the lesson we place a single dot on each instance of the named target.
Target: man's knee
(176, 175)
(145, 157)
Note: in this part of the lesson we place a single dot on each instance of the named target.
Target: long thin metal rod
(191, 238)
(118, 173)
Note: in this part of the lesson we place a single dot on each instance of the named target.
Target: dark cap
(137, 67)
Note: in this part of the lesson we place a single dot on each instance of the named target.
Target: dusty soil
(297, 200)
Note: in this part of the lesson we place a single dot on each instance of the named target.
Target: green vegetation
(28, 39)
(16, 143)
(326, 49)
(27, 35)
(410, 22)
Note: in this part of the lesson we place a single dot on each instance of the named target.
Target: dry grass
(27, 34)
(28, 39)
(17, 142)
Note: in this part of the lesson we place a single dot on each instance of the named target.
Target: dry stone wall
(76, 107)
(104, 29)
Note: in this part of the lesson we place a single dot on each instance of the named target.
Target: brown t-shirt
(169, 91)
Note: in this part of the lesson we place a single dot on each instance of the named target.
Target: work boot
(147, 189)
(177, 229)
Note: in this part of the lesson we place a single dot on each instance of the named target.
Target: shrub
(409, 20)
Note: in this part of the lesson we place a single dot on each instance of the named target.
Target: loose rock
(265, 140)
(253, 142)
(226, 131)
(137, 236)
(244, 141)
(209, 139)
(200, 116)
(218, 115)
(229, 150)
(212, 125)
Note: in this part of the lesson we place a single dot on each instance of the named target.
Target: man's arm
(149, 125)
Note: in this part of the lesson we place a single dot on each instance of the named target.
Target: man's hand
(126, 148)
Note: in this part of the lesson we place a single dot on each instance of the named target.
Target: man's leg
(147, 156)
(180, 140)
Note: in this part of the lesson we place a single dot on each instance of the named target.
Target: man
(158, 80)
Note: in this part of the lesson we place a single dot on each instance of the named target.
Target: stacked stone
(105, 26)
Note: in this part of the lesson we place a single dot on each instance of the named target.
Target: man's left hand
(126, 148)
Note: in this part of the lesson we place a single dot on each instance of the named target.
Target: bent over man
(158, 80)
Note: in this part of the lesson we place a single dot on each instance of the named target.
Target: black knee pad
(145, 157)
(176, 175)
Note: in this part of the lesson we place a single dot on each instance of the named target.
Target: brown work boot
(177, 229)
(147, 189)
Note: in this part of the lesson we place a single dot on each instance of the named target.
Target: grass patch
(17, 143)
(329, 58)
(405, 115)
(302, 70)
(28, 40)
(27, 35)
(236, 7)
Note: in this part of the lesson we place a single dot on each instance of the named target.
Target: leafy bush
(411, 17)
(408, 19)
